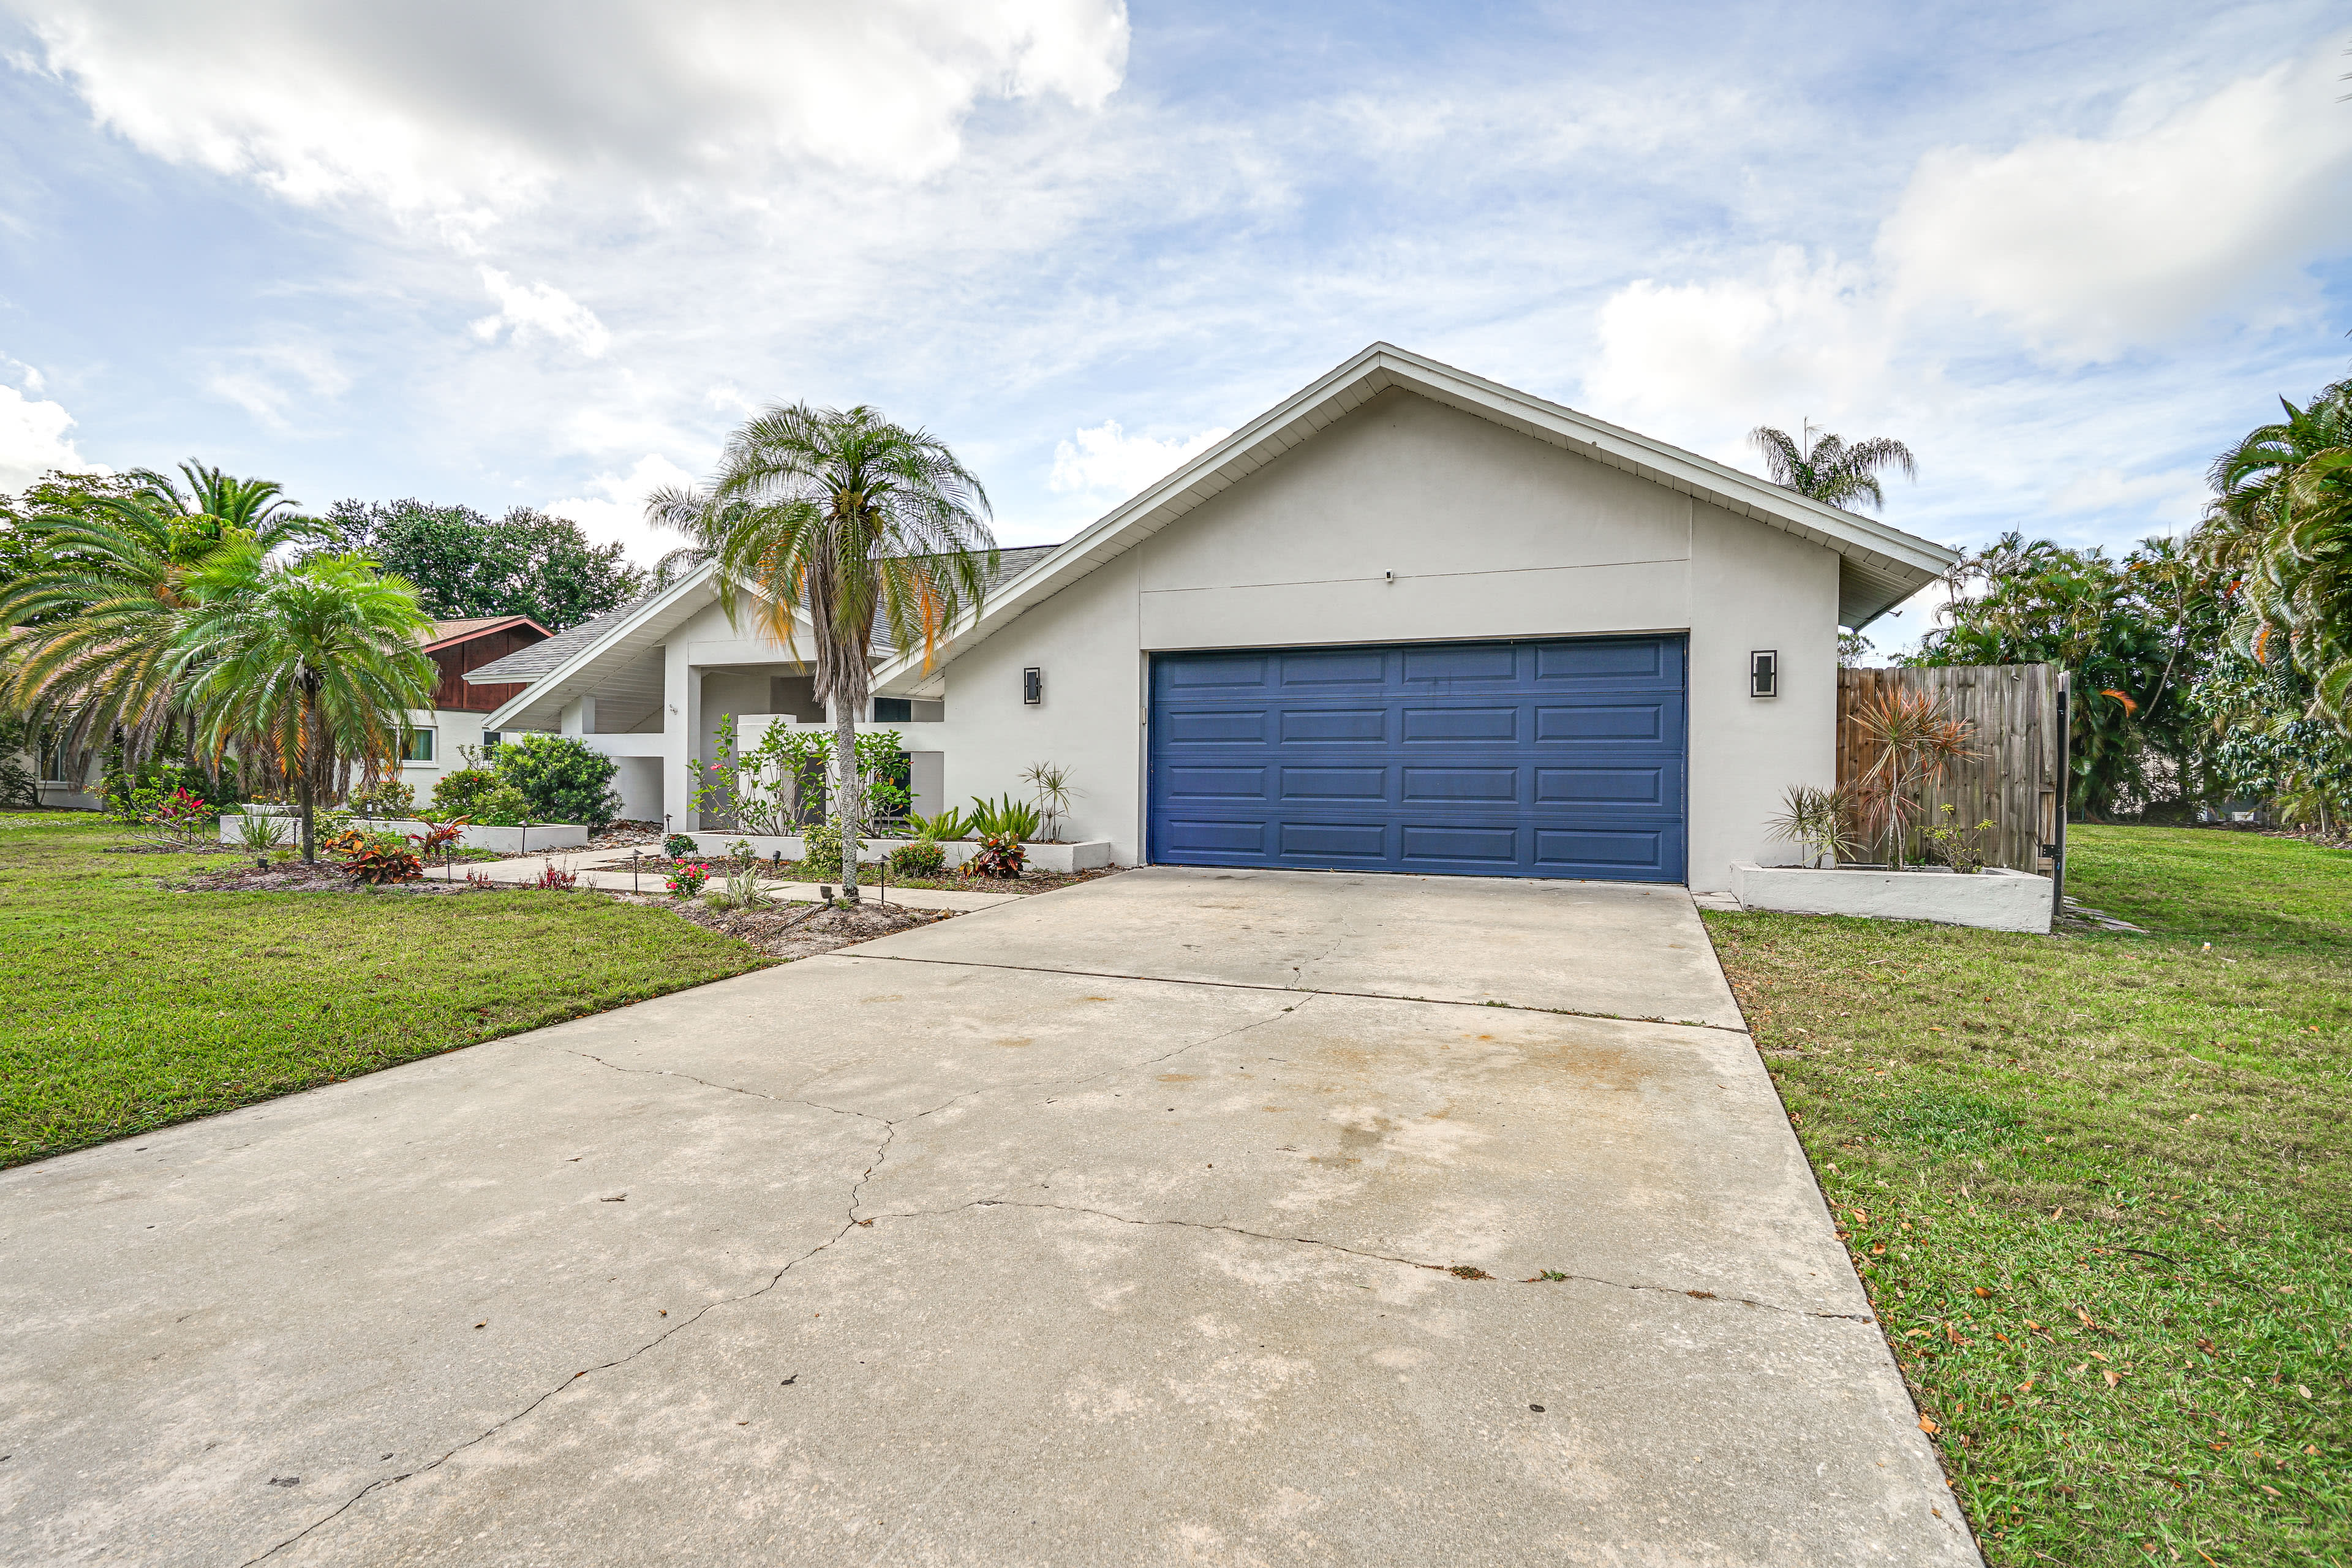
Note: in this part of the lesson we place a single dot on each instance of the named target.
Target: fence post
(2065, 770)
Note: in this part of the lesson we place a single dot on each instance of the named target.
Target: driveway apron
(1181, 1218)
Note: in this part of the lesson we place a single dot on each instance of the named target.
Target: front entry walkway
(1181, 1218)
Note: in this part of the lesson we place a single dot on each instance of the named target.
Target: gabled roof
(564, 666)
(1879, 567)
(446, 634)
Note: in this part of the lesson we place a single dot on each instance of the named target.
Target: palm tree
(91, 628)
(859, 524)
(306, 670)
(1824, 468)
(2251, 480)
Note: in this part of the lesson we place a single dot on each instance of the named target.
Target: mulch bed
(294, 877)
(799, 931)
(790, 871)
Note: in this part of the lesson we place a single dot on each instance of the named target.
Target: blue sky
(551, 253)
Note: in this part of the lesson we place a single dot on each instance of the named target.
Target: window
(420, 746)
(893, 711)
(489, 741)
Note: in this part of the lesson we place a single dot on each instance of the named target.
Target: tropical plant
(555, 879)
(741, 890)
(1950, 843)
(1053, 790)
(312, 670)
(1821, 820)
(258, 835)
(1911, 738)
(999, 855)
(771, 789)
(562, 777)
(439, 839)
(93, 644)
(378, 862)
(180, 820)
(855, 523)
(685, 879)
(2136, 634)
(943, 824)
(883, 776)
(677, 845)
(1003, 817)
(1822, 467)
(460, 791)
(820, 854)
(464, 562)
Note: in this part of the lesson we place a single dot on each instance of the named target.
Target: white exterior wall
(452, 727)
(1488, 534)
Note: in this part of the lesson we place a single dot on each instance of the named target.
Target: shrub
(382, 858)
(18, 787)
(390, 798)
(460, 791)
(1000, 855)
(923, 857)
(1006, 818)
(820, 857)
(562, 777)
(259, 834)
(687, 879)
(678, 846)
(505, 806)
(181, 819)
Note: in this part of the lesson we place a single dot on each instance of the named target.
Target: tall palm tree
(306, 670)
(857, 523)
(2251, 480)
(91, 631)
(1823, 466)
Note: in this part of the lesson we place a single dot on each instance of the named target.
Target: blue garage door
(1502, 758)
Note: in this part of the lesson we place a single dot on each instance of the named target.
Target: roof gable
(1879, 565)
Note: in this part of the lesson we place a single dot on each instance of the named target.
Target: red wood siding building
(460, 646)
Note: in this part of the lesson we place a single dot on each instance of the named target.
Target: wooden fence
(2013, 781)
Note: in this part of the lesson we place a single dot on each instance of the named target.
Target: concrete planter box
(530, 840)
(1064, 859)
(1995, 897)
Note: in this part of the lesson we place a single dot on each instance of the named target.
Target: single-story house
(440, 735)
(1407, 620)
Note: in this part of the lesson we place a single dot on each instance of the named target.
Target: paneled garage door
(1504, 759)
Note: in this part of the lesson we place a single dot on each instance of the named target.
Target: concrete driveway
(1183, 1217)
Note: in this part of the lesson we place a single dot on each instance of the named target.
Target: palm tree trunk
(847, 793)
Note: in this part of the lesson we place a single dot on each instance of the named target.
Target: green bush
(562, 777)
(461, 791)
(923, 857)
(505, 806)
(820, 857)
(390, 798)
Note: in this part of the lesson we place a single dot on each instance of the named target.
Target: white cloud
(540, 309)
(1108, 462)
(33, 440)
(2174, 493)
(470, 109)
(276, 382)
(616, 513)
(2091, 246)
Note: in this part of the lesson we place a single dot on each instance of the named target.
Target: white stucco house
(1407, 620)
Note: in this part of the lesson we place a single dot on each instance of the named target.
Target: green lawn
(131, 1005)
(2097, 1186)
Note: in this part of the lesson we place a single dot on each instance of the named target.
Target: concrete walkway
(1179, 1218)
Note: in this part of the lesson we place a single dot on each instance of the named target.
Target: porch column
(681, 725)
(579, 715)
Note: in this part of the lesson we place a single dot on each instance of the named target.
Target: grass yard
(131, 1005)
(2099, 1187)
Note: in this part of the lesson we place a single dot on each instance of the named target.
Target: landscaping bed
(794, 871)
(801, 931)
(2098, 1185)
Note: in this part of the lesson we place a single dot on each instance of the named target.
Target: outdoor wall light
(1032, 686)
(1764, 672)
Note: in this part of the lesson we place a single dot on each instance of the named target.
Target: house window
(893, 711)
(420, 746)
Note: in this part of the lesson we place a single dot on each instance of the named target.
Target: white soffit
(1880, 566)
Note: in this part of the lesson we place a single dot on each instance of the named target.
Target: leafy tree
(92, 626)
(562, 778)
(2134, 633)
(305, 670)
(1828, 470)
(2265, 744)
(850, 520)
(463, 563)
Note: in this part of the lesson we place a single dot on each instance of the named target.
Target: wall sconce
(1032, 686)
(1764, 672)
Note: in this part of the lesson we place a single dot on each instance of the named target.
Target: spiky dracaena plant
(853, 524)
(308, 672)
(1825, 468)
(1820, 820)
(92, 633)
(1912, 738)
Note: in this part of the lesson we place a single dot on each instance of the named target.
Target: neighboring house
(1409, 620)
(442, 733)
